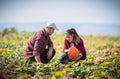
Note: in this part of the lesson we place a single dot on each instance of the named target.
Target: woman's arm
(66, 48)
(81, 48)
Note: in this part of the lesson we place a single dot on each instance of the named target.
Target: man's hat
(52, 24)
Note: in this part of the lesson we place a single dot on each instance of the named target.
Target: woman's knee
(64, 59)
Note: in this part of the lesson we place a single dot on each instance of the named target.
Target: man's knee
(54, 52)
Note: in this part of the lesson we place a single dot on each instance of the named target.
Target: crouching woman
(74, 49)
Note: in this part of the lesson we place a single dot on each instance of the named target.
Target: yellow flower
(37, 67)
(4, 53)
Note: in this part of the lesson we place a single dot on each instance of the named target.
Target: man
(36, 47)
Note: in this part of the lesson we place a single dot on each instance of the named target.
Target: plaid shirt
(37, 43)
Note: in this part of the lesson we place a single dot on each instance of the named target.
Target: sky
(60, 11)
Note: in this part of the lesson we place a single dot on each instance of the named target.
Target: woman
(72, 39)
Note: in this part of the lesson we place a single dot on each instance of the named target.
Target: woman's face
(69, 37)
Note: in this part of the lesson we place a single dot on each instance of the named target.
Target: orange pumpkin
(73, 53)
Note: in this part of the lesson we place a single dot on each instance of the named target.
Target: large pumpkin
(73, 53)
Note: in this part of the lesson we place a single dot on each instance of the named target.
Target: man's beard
(49, 34)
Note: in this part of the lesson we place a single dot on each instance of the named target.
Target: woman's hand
(75, 59)
(67, 50)
(78, 57)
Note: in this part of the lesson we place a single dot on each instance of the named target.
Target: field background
(102, 62)
(96, 21)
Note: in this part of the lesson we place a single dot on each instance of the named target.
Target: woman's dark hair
(75, 35)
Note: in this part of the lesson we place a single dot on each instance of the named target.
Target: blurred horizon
(97, 17)
(82, 29)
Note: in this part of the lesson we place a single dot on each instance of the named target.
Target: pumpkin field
(102, 62)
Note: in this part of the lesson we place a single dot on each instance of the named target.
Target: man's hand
(49, 54)
(37, 58)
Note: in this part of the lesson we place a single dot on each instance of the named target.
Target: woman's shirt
(79, 46)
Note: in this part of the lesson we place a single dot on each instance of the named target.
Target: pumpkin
(73, 52)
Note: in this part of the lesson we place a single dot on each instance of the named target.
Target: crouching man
(40, 47)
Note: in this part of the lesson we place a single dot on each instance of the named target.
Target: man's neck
(46, 31)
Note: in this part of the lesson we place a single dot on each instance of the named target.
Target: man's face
(50, 30)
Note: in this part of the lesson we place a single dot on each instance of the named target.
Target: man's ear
(73, 35)
(46, 28)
